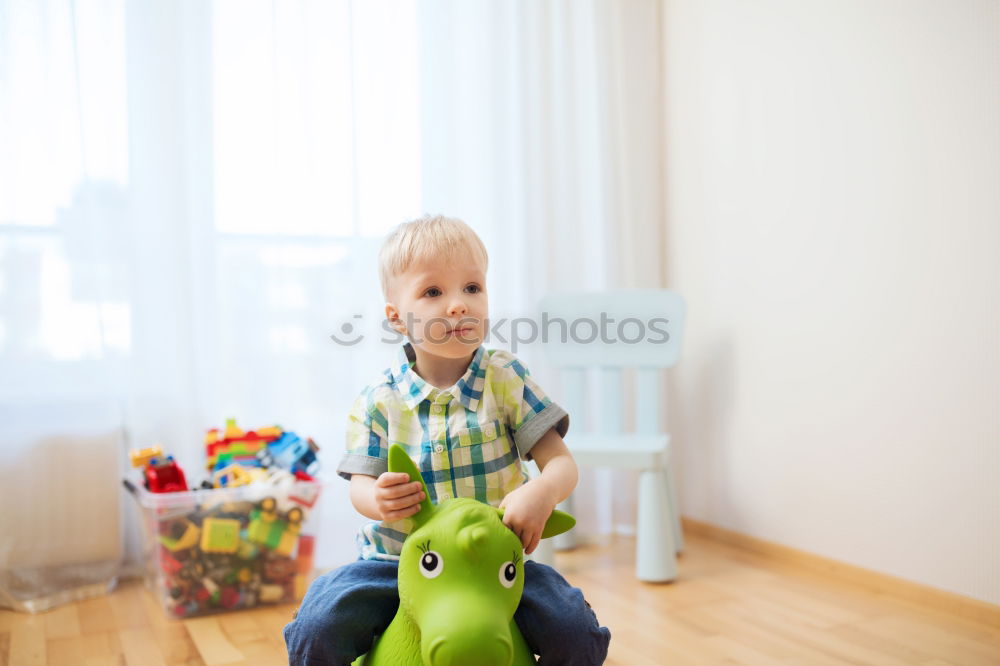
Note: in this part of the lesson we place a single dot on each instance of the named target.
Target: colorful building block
(182, 534)
(220, 535)
(234, 476)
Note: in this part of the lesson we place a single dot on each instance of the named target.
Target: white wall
(833, 206)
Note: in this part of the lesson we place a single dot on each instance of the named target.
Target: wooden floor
(728, 607)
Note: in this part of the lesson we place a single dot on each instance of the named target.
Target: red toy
(161, 473)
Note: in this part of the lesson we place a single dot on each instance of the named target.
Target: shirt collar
(414, 389)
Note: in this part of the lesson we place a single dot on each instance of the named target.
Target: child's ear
(392, 316)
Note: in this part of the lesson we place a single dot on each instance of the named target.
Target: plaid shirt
(467, 440)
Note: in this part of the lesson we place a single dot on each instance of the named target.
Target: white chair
(613, 331)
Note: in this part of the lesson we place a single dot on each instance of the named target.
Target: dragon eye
(431, 564)
(508, 574)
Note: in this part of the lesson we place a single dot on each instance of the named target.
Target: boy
(466, 416)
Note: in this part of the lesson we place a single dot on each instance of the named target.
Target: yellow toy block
(270, 432)
(237, 475)
(220, 535)
(139, 457)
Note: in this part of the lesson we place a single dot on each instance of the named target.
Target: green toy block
(265, 532)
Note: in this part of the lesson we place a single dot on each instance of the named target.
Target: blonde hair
(427, 238)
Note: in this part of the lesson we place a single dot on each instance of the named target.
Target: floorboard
(728, 606)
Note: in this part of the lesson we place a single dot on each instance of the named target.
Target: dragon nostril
(435, 653)
(473, 539)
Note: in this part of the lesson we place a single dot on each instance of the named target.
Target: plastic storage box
(217, 550)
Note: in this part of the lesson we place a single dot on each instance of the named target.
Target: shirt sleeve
(529, 412)
(367, 439)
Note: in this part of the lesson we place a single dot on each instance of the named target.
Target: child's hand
(396, 497)
(525, 512)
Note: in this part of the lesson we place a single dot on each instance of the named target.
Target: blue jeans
(346, 609)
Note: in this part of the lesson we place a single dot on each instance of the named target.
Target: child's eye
(473, 289)
(432, 292)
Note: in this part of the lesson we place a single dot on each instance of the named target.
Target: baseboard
(930, 597)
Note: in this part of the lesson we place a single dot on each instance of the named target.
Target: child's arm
(389, 497)
(527, 508)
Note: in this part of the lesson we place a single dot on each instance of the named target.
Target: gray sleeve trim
(353, 463)
(531, 431)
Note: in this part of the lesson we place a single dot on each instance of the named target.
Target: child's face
(441, 306)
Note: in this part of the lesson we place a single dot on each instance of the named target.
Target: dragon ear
(400, 462)
(558, 523)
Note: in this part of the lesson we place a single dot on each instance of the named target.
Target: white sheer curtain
(543, 120)
(192, 195)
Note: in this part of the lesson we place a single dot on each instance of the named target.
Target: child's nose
(457, 307)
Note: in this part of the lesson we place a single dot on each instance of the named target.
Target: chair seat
(627, 451)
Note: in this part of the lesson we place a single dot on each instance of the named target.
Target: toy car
(161, 474)
(292, 453)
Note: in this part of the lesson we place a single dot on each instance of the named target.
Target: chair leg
(656, 553)
(545, 553)
(674, 508)
(566, 540)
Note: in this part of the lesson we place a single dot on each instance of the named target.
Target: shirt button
(436, 408)
(444, 497)
(439, 448)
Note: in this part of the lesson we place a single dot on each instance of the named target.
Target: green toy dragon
(461, 575)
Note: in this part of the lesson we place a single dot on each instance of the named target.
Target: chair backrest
(613, 330)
